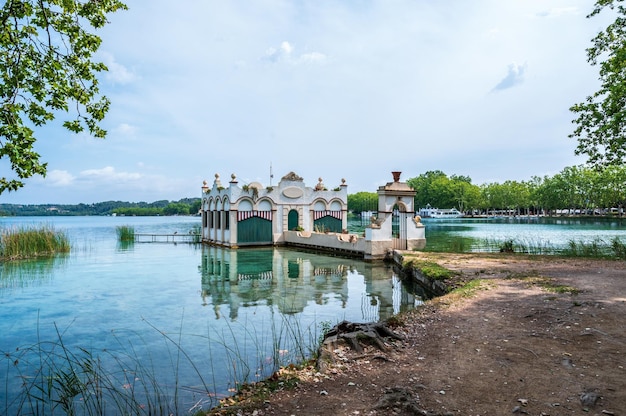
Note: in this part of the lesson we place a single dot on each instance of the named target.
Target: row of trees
(578, 188)
(185, 206)
(174, 208)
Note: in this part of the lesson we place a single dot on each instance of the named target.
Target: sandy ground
(513, 347)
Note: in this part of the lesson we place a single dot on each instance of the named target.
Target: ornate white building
(254, 214)
(316, 218)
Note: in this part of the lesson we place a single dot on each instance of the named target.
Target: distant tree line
(186, 206)
(576, 190)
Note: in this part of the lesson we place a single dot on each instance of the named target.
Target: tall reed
(597, 248)
(254, 356)
(55, 378)
(26, 242)
(125, 233)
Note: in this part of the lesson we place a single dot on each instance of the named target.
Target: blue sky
(324, 88)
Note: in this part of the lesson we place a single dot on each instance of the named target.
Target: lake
(188, 321)
(174, 327)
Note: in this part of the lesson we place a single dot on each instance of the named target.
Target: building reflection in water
(290, 280)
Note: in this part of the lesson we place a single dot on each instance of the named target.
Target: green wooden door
(327, 224)
(254, 230)
(292, 220)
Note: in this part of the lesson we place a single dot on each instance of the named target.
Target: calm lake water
(185, 317)
(190, 320)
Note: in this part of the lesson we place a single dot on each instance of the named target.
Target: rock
(567, 363)
(400, 398)
(589, 399)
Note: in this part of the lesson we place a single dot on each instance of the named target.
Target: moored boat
(429, 212)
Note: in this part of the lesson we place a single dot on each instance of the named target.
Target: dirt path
(513, 347)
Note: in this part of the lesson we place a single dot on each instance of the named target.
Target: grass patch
(532, 278)
(470, 288)
(467, 290)
(429, 269)
(28, 242)
(549, 285)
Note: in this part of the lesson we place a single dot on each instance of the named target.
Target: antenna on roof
(271, 174)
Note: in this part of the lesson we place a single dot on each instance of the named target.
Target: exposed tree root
(357, 334)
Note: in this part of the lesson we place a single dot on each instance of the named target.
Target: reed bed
(597, 248)
(29, 241)
(515, 245)
(125, 233)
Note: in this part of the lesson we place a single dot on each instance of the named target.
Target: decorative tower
(396, 226)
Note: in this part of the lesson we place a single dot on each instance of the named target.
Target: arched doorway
(398, 226)
(292, 220)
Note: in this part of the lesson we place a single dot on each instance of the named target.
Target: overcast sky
(325, 88)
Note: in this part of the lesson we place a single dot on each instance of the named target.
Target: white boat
(429, 212)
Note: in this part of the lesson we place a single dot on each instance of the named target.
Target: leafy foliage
(45, 66)
(601, 123)
(436, 189)
(363, 201)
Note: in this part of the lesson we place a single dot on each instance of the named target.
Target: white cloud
(117, 73)
(277, 54)
(514, 76)
(313, 57)
(109, 174)
(559, 11)
(125, 129)
(284, 53)
(59, 178)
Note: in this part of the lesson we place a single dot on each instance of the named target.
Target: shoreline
(535, 335)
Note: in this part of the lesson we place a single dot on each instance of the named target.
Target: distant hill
(99, 208)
